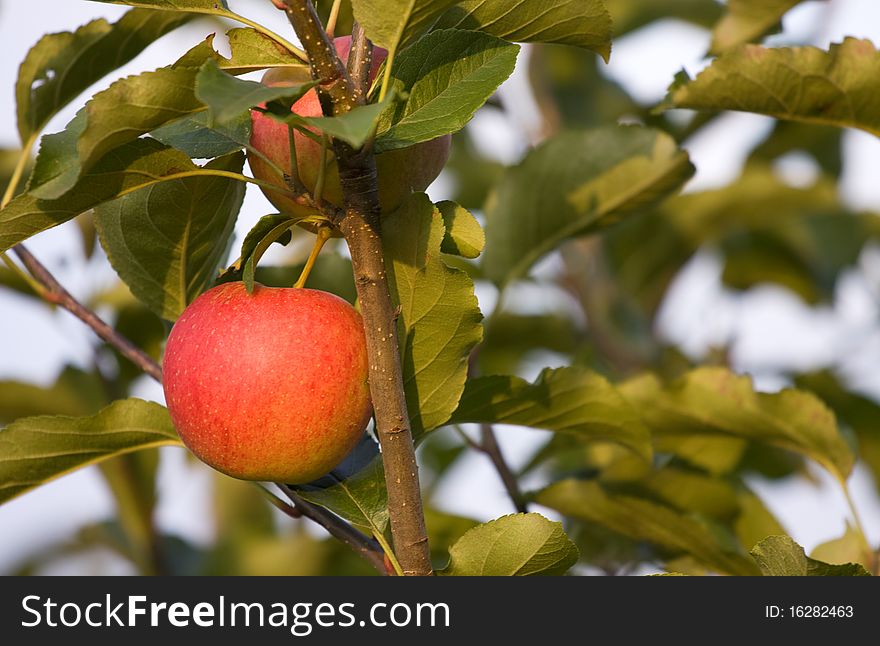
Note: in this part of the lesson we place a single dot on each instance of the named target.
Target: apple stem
(320, 240)
(386, 77)
(295, 183)
(334, 16)
(322, 169)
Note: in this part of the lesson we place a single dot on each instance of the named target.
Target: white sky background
(768, 326)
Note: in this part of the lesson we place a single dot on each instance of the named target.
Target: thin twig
(333, 17)
(367, 547)
(361, 228)
(55, 293)
(489, 446)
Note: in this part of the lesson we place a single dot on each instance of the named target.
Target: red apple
(401, 171)
(271, 385)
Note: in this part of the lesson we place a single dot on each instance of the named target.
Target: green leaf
(747, 21)
(197, 139)
(643, 520)
(228, 97)
(860, 413)
(355, 490)
(515, 545)
(167, 243)
(393, 24)
(35, 450)
(439, 320)
(252, 50)
(565, 400)
(716, 401)
(447, 75)
(716, 454)
(61, 66)
(575, 183)
(781, 556)
(849, 548)
(581, 23)
(353, 127)
(464, 236)
(138, 164)
(217, 7)
(692, 492)
(837, 87)
(123, 112)
(332, 273)
(269, 230)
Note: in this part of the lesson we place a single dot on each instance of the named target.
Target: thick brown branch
(59, 296)
(334, 81)
(362, 231)
(365, 546)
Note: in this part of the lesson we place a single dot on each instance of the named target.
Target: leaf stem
(320, 240)
(20, 165)
(389, 553)
(295, 182)
(322, 169)
(386, 77)
(869, 555)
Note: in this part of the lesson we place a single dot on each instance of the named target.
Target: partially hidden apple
(400, 172)
(268, 386)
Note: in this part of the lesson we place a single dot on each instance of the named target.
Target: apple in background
(268, 386)
(401, 171)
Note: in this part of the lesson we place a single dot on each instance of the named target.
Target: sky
(767, 325)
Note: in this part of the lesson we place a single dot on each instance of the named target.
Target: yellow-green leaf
(34, 450)
(838, 87)
(515, 545)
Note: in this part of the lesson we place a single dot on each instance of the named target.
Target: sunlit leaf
(136, 165)
(61, 66)
(34, 450)
(644, 520)
(716, 401)
(566, 400)
(439, 320)
(582, 23)
(446, 76)
(572, 184)
(392, 24)
(836, 87)
(781, 556)
(515, 545)
(746, 21)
